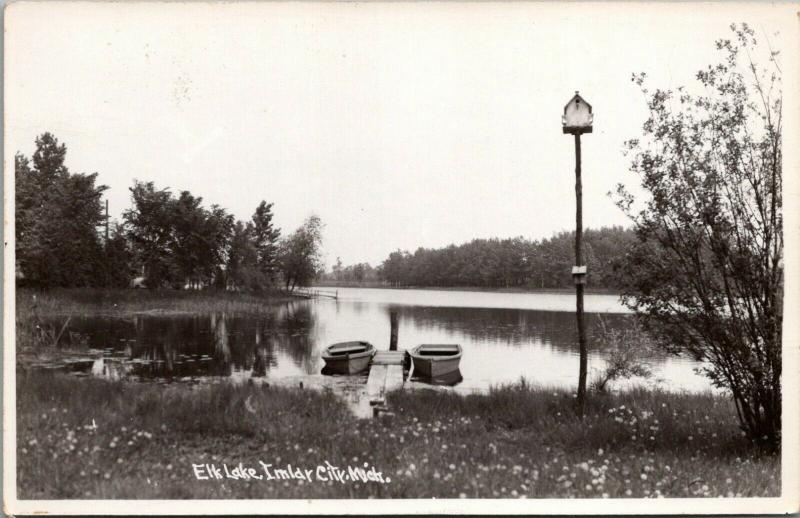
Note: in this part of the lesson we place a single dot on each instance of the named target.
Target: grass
(90, 438)
(83, 301)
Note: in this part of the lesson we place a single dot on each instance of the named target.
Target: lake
(505, 337)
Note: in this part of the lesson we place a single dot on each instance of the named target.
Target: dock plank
(376, 381)
(389, 358)
(385, 374)
(394, 378)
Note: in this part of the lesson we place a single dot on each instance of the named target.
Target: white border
(787, 503)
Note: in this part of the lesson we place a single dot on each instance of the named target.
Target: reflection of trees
(222, 348)
(507, 326)
(293, 335)
(166, 346)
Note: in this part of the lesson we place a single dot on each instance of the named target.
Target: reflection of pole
(393, 334)
(579, 285)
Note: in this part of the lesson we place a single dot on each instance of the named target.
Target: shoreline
(123, 301)
(558, 291)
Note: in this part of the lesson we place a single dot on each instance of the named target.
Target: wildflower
(628, 492)
(643, 476)
(462, 495)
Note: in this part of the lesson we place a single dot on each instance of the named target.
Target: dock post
(393, 333)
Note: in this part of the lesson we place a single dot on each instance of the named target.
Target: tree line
(501, 263)
(64, 239)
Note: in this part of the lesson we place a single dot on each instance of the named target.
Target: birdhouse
(579, 274)
(577, 116)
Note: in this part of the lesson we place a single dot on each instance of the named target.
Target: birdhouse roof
(577, 96)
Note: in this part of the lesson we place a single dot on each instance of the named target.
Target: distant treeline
(64, 239)
(500, 263)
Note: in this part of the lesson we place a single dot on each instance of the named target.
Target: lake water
(505, 337)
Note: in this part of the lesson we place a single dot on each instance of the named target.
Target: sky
(401, 125)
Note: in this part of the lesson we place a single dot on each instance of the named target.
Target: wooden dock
(315, 293)
(385, 375)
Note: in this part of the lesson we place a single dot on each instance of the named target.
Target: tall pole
(393, 330)
(579, 285)
(106, 221)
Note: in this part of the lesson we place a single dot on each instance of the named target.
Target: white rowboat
(435, 360)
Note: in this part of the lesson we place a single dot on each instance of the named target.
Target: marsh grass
(88, 438)
(65, 302)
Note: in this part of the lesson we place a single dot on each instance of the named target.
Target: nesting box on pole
(577, 116)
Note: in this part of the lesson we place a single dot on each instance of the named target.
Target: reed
(119, 302)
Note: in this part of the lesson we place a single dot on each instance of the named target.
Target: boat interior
(438, 351)
(348, 349)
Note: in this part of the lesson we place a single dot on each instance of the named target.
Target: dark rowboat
(435, 360)
(348, 357)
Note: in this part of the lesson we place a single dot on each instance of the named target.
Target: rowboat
(348, 357)
(435, 360)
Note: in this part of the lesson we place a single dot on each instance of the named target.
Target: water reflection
(190, 346)
(451, 379)
(500, 344)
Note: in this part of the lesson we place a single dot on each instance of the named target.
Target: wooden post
(106, 221)
(579, 286)
(393, 333)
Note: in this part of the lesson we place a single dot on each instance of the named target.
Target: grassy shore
(119, 301)
(89, 438)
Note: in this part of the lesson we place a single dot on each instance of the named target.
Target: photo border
(789, 501)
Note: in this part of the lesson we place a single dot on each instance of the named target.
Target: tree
(242, 267)
(188, 241)
(707, 270)
(337, 269)
(177, 241)
(265, 240)
(149, 229)
(117, 260)
(300, 254)
(57, 216)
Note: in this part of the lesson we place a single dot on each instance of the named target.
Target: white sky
(401, 125)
